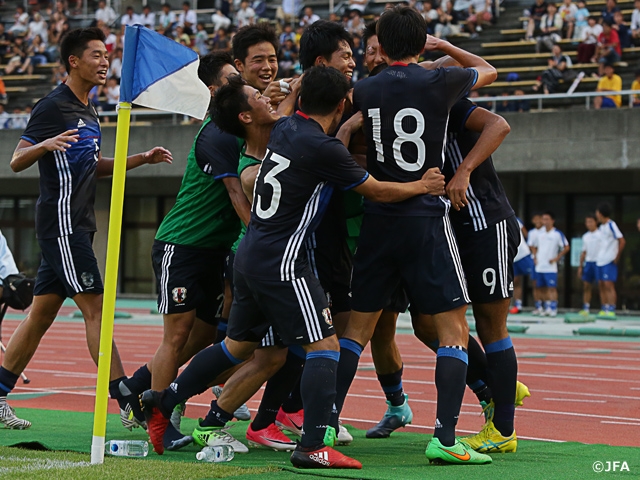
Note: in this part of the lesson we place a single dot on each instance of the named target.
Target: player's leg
(165, 362)
(586, 297)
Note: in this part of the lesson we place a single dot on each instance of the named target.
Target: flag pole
(110, 283)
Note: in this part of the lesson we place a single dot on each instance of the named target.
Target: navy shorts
(546, 279)
(487, 259)
(68, 266)
(589, 272)
(297, 310)
(418, 253)
(524, 266)
(189, 278)
(608, 272)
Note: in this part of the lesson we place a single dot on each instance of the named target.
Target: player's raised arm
(104, 168)
(487, 74)
(432, 183)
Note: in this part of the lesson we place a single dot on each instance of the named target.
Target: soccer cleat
(213, 436)
(553, 313)
(325, 457)
(343, 437)
(490, 440)
(547, 312)
(242, 413)
(522, 392)
(9, 419)
(584, 313)
(602, 313)
(459, 453)
(291, 422)
(538, 312)
(394, 418)
(610, 315)
(157, 421)
(177, 414)
(514, 310)
(131, 415)
(270, 437)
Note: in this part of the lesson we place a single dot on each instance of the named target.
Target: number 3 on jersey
(401, 137)
(282, 163)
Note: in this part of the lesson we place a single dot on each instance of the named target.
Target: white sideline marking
(39, 464)
(621, 423)
(574, 400)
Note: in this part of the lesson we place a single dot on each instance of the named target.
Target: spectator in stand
(479, 14)
(589, 41)
(624, 32)
(37, 52)
(129, 19)
(5, 41)
(20, 22)
(536, 11)
(608, 11)
(110, 39)
(167, 19)
(187, 18)
(358, 57)
(520, 105)
(608, 50)
(4, 117)
(610, 82)
(636, 86)
(358, 5)
(19, 61)
(504, 105)
(260, 7)
(288, 11)
(220, 20)
(558, 71)
(447, 21)
(181, 36)
(201, 40)
(568, 11)
(3, 93)
(355, 26)
(309, 17)
(431, 16)
(221, 41)
(115, 64)
(551, 28)
(38, 27)
(635, 21)
(59, 76)
(147, 17)
(112, 92)
(287, 34)
(287, 58)
(582, 17)
(105, 14)
(19, 120)
(245, 15)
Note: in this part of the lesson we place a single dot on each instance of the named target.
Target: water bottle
(219, 453)
(127, 448)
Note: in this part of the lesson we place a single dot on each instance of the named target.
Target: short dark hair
(230, 100)
(605, 209)
(252, 35)
(75, 43)
(369, 31)
(402, 32)
(211, 65)
(322, 90)
(321, 39)
(550, 213)
(591, 215)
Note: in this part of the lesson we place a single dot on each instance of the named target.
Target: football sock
(216, 417)
(350, 352)
(7, 381)
(518, 304)
(547, 305)
(451, 371)
(140, 380)
(503, 374)
(222, 330)
(391, 384)
(477, 371)
(538, 304)
(117, 394)
(586, 306)
(553, 304)
(318, 386)
(201, 371)
(293, 403)
(276, 391)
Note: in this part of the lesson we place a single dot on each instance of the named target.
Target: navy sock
(451, 371)
(216, 417)
(8, 381)
(477, 371)
(277, 390)
(350, 352)
(114, 391)
(503, 374)
(318, 386)
(222, 330)
(392, 386)
(201, 371)
(139, 381)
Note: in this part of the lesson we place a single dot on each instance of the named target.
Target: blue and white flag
(159, 73)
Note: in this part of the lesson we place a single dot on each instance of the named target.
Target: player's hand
(278, 90)
(295, 85)
(457, 190)
(157, 155)
(432, 43)
(434, 181)
(62, 142)
(553, 260)
(355, 122)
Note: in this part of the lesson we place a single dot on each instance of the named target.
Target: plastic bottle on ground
(219, 453)
(127, 448)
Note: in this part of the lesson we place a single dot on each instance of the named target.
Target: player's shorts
(68, 266)
(608, 272)
(399, 301)
(590, 272)
(189, 278)
(524, 266)
(418, 253)
(546, 279)
(297, 310)
(228, 268)
(487, 259)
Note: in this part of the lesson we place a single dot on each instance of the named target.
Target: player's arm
(621, 244)
(525, 232)
(493, 130)
(389, 192)
(583, 255)
(27, 153)
(487, 74)
(248, 181)
(350, 127)
(442, 62)
(238, 198)
(534, 252)
(104, 167)
(562, 253)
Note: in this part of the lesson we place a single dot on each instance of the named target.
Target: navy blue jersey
(67, 179)
(488, 203)
(294, 185)
(406, 109)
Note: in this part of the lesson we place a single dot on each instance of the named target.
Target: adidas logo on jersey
(321, 458)
(81, 123)
(511, 286)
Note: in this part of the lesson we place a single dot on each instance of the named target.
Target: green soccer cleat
(459, 454)
(490, 440)
(394, 418)
(213, 436)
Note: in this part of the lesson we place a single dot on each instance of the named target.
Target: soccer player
(63, 136)
(548, 247)
(588, 270)
(612, 243)
(399, 243)
(522, 265)
(274, 284)
(536, 220)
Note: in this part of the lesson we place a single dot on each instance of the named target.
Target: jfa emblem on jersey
(87, 279)
(326, 313)
(179, 294)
